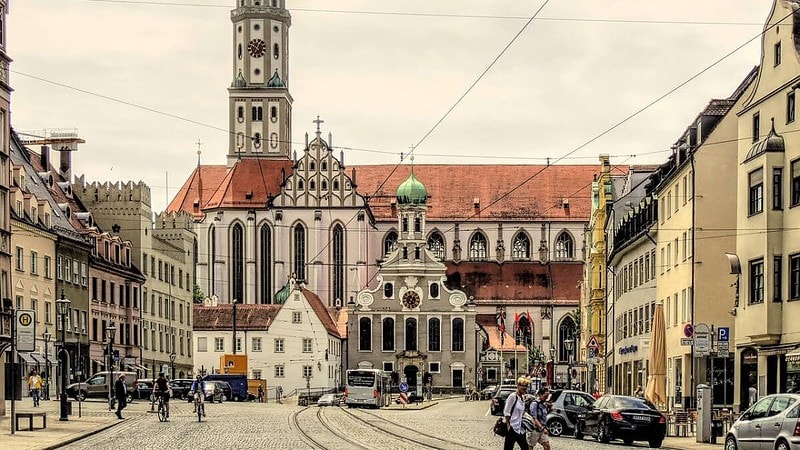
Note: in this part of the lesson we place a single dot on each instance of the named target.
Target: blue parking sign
(723, 334)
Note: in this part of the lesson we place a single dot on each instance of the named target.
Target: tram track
(437, 438)
(313, 437)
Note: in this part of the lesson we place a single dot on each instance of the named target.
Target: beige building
(767, 335)
(696, 212)
(5, 223)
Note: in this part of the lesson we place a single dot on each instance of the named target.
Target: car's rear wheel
(656, 443)
(81, 396)
(628, 441)
(556, 427)
(730, 443)
(129, 398)
(781, 445)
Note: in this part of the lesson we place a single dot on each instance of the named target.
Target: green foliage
(197, 295)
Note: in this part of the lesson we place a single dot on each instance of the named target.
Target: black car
(499, 399)
(620, 417)
(224, 388)
(181, 387)
(144, 388)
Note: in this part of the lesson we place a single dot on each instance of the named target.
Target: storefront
(792, 372)
(748, 376)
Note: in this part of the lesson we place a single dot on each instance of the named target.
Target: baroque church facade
(272, 212)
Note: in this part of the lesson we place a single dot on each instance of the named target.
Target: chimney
(65, 169)
(45, 158)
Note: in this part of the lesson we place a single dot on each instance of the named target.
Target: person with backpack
(538, 410)
(513, 411)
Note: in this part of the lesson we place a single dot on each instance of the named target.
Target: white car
(328, 400)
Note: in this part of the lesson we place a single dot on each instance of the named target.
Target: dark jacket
(120, 388)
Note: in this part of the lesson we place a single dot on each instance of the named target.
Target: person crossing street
(35, 386)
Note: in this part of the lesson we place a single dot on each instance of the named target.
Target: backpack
(500, 427)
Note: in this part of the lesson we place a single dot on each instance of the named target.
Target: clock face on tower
(257, 48)
(410, 299)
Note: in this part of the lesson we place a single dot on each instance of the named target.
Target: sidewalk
(690, 443)
(95, 418)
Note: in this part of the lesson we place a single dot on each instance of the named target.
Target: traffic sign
(403, 387)
(702, 340)
(723, 334)
(26, 330)
(723, 349)
(403, 398)
(687, 341)
(688, 330)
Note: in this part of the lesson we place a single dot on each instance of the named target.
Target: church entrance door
(458, 378)
(410, 372)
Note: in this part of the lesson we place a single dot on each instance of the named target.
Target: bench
(30, 416)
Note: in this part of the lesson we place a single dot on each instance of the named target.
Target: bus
(367, 387)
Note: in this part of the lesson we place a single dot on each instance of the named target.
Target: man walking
(35, 386)
(121, 392)
(538, 410)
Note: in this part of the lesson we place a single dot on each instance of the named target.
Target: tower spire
(318, 121)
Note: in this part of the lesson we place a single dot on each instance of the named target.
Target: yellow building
(768, 238)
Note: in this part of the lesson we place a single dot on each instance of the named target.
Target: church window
(411, 334)
(565, 248)
(300, 252)
(273, 140)
(276, 53)
(477, 247)
(212, 258)
(324, 185)
(258, 113)
(436, 245)
(405, 252)
(265, 262)
(521, 248)
(417, 225)
(416, 252)
(239, 51)
(273, 113)
(405, 225)
(338, 262)
(312, 166)
(365, 334)
(274, 3)
(237, 260)
(312, 185)
(300, 185)
(390, 242)
(458, 335)
(323, 165)
(240, 114)
(257, 26)
(566, 330)
(523, 331)
(335, 185)
(276, 29)
(434, 290)
(347, 185)
(388, 290)
(434, 334)
(257, 71)
(388, 334)
(257, 140)
(288, 185)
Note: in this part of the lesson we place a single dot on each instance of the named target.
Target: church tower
(260, 106)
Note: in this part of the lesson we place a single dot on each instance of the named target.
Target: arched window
(565, 248)
(212, 257)
(388, 290)
(257, 140)
(389, 242)
(323, 165)
(433, 291)
(458, 335)
(237, 263)
(265, 263)
(404, 227)
(338, 262)
(365, 334)
(388, 334)
(566, 330)
(276, 52)
(300, 252)
(312, 166)
(521, 248)
(417, 225)
(411, 334)
(324, 185)
(300, 185)
(477, 247)
(240, 113)
(312, 186)
(434, 334)
(335, 185)
(436, 245)
(524, 331)
(273, 113)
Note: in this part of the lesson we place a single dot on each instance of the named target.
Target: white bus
(367, 387)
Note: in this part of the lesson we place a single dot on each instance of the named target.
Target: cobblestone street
(450, 424)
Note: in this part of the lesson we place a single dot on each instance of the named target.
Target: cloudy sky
(381, 74)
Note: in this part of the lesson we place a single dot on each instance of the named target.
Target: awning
(98, 362)
(52, 359)
(28, 358)
(793, 356)
(136, 367)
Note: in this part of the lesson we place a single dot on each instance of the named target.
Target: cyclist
(198, 389)
(163, 389)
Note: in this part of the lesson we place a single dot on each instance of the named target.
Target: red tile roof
(526, 283)
(489, 324)
(322, 312)
(248, 317)
(453, 189)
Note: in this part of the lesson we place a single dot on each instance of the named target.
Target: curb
(83, 435)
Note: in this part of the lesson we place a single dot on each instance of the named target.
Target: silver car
(773, 422)
(566, 406)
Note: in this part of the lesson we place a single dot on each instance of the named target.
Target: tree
(197, 295)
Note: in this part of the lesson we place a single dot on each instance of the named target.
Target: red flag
(516, 321)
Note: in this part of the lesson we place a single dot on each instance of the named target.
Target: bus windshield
(359, 378)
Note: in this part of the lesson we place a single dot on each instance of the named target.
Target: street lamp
(111, 332)
(568, 347)
(235, 302)
(172, 357)
(46, 335)
(62, 309)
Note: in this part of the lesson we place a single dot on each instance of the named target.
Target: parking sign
(723, 334)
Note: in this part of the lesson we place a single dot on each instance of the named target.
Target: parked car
(773, 422)
(488, 392)
(213, 392)
(144, 388)
(566, 407)
(328, 400)
(99, 384)
(224, 388)
(181, 387)
(499, 399)
(237, 385)
(620, 417)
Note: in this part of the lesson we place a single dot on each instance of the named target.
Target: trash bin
(716, 430)
(69, 408)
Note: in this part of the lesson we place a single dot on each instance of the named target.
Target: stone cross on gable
(318, 121)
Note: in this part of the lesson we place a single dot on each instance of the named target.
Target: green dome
(275, 81)
(412, 192)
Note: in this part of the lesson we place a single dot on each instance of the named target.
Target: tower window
(273, 140)
(324, 185)
(257, 140)
(239, 51)
(323, 165)
(335, 185)
(273, 113)
(240, 114)
(258, 113)
(276, 52)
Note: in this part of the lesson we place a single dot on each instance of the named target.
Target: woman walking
(514, 408)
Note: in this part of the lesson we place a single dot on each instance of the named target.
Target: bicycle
(162, 409)
(199, 406)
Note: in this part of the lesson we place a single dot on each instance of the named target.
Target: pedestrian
(538, 410)
(260, 394)
(639, 392)
(513, 410)
(35, 386)
(121, 392)
(753, 394)
(279, 394)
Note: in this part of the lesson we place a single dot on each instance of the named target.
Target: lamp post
(62, 309)
(172, 357)
(568, 346)
(552, 372)
(111, 332)
(235, 302)
(46, 335)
